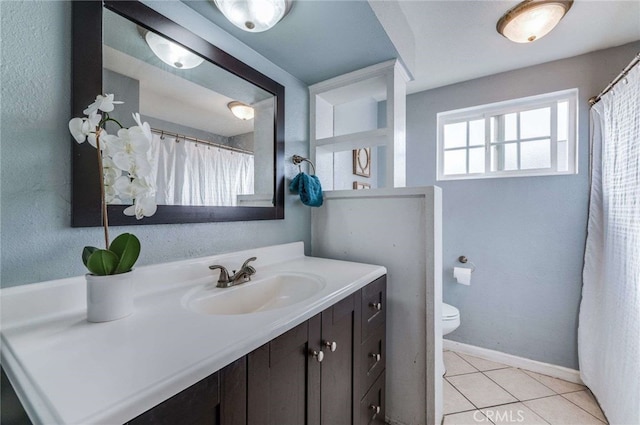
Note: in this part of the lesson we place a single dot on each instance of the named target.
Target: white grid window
(532, 136)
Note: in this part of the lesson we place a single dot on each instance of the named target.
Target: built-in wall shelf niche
(361, 109)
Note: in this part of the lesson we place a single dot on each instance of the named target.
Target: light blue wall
(526, 235)
(37, 242)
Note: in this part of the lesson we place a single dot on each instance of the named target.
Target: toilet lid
(449, 311)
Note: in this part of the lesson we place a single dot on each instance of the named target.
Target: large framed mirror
(209, 164)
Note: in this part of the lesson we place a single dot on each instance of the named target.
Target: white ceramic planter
(109, 297)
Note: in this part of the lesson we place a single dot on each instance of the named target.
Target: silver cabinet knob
(375, 356)
(318, 355)
(376, 409)
(332, 345)
(376, 306)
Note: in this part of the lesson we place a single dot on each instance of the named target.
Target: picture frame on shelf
(362, 162)
(361, 185)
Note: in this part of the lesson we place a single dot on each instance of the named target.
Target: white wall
(363, 226)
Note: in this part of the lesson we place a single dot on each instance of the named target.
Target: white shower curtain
(187, 173)
(609, 330)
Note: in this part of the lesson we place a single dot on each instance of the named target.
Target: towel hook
(297, 159)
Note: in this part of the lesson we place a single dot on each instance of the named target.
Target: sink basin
(261, 294)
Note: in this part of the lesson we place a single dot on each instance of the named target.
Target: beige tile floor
(479, 391)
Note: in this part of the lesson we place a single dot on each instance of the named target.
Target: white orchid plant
(124, 170)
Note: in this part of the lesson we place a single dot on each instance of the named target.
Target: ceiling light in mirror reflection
(162, 91)
(241, 111)
(254, 15)
(171, 53)
(202, 154)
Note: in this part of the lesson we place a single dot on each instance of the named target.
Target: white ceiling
(456, 40)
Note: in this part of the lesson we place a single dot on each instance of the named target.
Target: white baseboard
(548, 369)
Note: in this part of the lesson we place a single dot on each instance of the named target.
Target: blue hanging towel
(309, 189)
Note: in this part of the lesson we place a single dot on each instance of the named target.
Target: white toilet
(450, 318)
(450, 322)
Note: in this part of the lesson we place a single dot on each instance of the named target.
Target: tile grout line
(461, 358)
(476, 370)
(580, 407)
(504, 389)
(527, 370)
(470, 373)
(491, 406)
(512, 395)
(542, 383)
(562, 394)
(538, 413)
(482, 372)
(556, 393)
(462, 374)
(464, 396)
(456, 388)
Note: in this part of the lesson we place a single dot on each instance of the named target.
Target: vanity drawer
(374, 300)
(372, 405)
(373, 358)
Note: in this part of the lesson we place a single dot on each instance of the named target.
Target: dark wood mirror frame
(87, 83)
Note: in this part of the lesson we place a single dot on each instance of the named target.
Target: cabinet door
(277, 378)
(340, 324)
(233, 393)
(197, 405)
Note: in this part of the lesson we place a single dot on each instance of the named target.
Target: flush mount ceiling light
(240, 110)
(254, 15)
(532, 19)
(171, 53)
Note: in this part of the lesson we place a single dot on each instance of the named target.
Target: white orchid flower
(107, 163)
(129, 188)
(92, 139)
(129, 151)
(110, 176)
(128, 141)
(142, 207)
(124, 158)
(103, 103)
(81, 128)
(144, 127)
(135, 165)
(110, 195)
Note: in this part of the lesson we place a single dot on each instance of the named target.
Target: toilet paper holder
(465, 260)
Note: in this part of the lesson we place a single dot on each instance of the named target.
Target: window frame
(498, 109)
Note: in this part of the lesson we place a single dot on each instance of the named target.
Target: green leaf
(102, 262)
(86, 253)
(127, 248)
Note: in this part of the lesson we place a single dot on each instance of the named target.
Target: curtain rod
(620, 76)
(201, 141)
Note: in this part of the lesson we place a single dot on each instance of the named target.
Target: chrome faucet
(241, 276)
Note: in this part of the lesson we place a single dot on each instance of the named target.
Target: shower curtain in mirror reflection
(196, 174)
(609, 327)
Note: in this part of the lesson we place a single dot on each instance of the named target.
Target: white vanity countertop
(68, 371)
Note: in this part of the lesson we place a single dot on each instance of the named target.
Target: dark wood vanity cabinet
(329, 370)
(306, 375)
(278, 391)
(373, 353)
